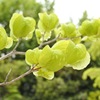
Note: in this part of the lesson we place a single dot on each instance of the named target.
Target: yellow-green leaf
(47, 22)
(44, 73)
(9, 42)
(32, 56)
(21, 26)
(81, 64)
(3, 38)
(52, 60)
(67, 30)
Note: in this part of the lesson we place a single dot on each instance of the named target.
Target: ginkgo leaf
(32, 56)
(9, 42)
(3, 38)
(44, 73)
(47, 22)
(21, 26)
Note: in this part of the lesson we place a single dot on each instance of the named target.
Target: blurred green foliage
(28, 7)
(67, 84)
(93, 71)
(94, 95)
(83, 18)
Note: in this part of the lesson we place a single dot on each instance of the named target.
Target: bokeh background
(68, 84)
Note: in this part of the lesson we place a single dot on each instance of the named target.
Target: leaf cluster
(67, 51)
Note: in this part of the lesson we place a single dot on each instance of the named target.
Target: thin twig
(48, 42)
(17, 45)
(19, 53)
(8, 75)
(6, 56)
(21, 76)
(72, 38)
(12, 52)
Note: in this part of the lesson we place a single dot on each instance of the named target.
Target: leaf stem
(48, 42)
(21, 76)
(13, 52)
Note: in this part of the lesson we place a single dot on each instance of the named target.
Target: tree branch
(53, 40)
(19, 53)
(8, 75)
(13, 52)
(21, 76)
(17, 45)
(6, 56)
(48, 42)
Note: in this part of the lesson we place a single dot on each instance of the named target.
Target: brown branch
(19, 53)
(6, 56)
(21, 76)
(54, 40)
(13, 52)
(16, 45)
(69, 38)
(48, 42)
(8, 75)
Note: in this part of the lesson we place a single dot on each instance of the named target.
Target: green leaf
(57, 31)
(81, 64)
(9, 42)
(13, 37)
(3, 38)
(97, 82)
(66, 46)
(75, 55)
(21, 26)
(29, 36)
(89, 28)
(52, 60)
(92, 73)
(47, 22)
(77, 40)
(96, 25)
(94, 49)
(38, 36)
(41, 36)
(44, 73)
(67, 30)
(32, 56)
(47, 36)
